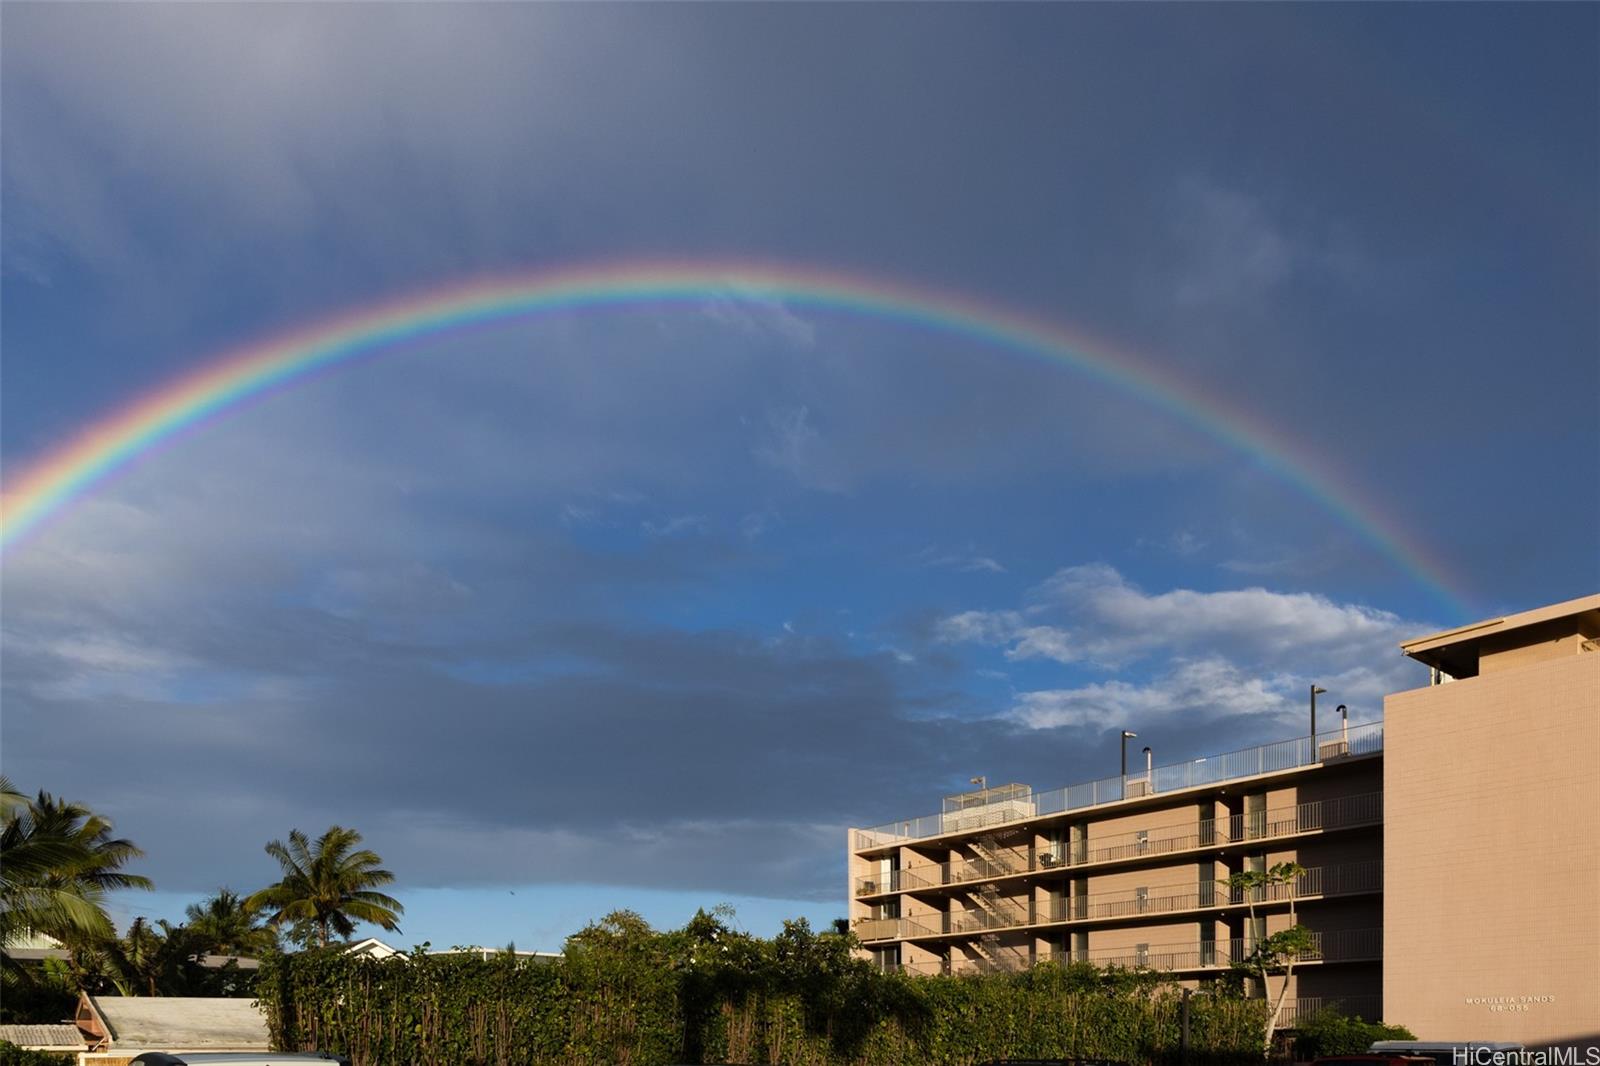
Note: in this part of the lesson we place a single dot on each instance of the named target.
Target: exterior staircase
(996, 861)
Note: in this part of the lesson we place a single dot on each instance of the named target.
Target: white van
(1447, 1053)
(236, 1058)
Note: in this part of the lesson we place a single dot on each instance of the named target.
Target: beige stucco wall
(1492, 856)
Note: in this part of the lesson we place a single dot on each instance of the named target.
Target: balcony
(1010, 914)
(1345, 742)
(1343, 812)
(1336, 946)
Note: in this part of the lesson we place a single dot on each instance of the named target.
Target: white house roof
(182, 1022)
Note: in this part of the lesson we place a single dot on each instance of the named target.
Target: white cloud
(968, 561)
(755, 314)
(982, 627)
(1202, 654)
(1236, 251)
(1209, 687)
(677, 525)
(794, 445)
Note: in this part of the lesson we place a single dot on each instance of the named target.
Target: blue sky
(642, 608)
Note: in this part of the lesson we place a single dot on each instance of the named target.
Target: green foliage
(326, 888)
(223, 925)
(1332, 1033)
(57, 862)
(42, 993)
(627, 994)
(12, 1055)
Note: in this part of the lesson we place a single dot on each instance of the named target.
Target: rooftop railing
(1343, 742)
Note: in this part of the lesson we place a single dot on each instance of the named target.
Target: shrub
(623, 993)
(12, 1055)
(1331, 1033)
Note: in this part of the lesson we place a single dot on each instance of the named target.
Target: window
(1141, 955)
(1255, 809)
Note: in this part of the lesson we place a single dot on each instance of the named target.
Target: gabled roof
(373, 948)
(180, 1022)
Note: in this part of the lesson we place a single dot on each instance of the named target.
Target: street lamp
(1126, 736)
(1315, 692)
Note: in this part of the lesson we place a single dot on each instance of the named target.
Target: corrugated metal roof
(189, 1022)
(43, 1036)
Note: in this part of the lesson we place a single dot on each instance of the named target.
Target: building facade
(1133, 870)
(1492, 865)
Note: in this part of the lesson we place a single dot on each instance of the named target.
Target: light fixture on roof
(1316, 690)
(1127, 735)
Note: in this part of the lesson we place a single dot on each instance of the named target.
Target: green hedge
(12, 1055)
(625, 994)
(1331, 1033)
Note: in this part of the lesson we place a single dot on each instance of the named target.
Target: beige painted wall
(1492, 825)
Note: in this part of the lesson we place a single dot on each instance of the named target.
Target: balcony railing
(1343, 742)
(1297, 1010)
(1319, 882)
(1347, 945)
(1316, 815)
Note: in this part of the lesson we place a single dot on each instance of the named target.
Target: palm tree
(222, 925)
(328, 885)
(58, 860)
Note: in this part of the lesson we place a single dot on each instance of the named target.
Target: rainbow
(220, 385)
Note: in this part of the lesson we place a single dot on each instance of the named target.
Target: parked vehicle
(1450, 1053)
(235, 1058)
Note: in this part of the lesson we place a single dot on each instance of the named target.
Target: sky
(642, 606)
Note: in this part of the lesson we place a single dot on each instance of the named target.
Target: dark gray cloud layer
(668, 597)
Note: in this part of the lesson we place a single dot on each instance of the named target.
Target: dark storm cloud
(648, 598)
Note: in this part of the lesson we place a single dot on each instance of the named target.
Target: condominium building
(1133, 870)
(1492, 859)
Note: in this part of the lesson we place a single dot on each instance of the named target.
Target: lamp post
(1315, 692)
(1126, 736)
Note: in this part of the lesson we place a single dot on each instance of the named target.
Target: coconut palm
(58, 860)
(327, 886)
(223, 925)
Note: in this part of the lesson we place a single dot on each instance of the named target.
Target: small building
(129, 1025)
(61, 1039)
(373, 948)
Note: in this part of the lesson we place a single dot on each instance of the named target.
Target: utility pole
(1315, 692)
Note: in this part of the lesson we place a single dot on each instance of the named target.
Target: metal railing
(1001, 913)
(1348, 945)
(1369, 1008)
(1342, 812)
(1346, 741)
